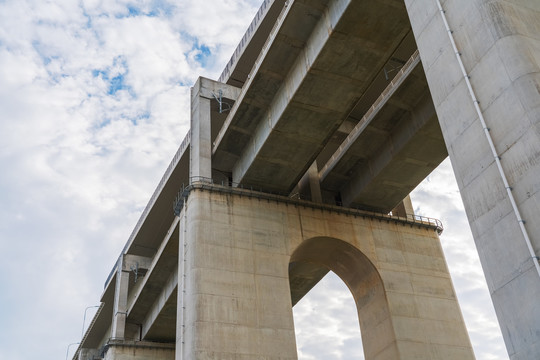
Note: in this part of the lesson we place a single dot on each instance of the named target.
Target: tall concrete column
(235, 301)
(498, 49)
(202, 94)
(201, 131)
(118, 327)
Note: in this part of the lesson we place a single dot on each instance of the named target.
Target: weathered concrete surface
(126, 350)
(204, 118)
(237, 69)
(120, 304)
(285, 114)
(499, 42)
(317, 75)
(393, 153)
(236, 299)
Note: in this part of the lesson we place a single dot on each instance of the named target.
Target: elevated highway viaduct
(347, 105)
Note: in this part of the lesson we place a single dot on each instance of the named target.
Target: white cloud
(326, 322)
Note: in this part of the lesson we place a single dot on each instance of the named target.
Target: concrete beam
(144, 283)
(157, 307)
(237, 69)
(396, 168)
(371, 114)
(210, 89)
(295, 78)
(286, 106)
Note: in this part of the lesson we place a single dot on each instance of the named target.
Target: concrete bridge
(300, 159)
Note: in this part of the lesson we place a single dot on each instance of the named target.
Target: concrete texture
(138, 350)
(328, 100)
(240, 253)
(317, 75)
(499, 44)
(204, 117)
(285, 101)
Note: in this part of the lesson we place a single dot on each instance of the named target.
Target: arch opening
(315, 257)
(326, 322)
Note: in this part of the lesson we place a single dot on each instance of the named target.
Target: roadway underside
(311, 87)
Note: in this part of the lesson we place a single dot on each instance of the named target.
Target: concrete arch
(319, 255)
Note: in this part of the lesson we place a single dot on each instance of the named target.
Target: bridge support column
(202, 94)
(235, 303)
(201, 146)
(475, 102)
(241, 251)
(118, 327)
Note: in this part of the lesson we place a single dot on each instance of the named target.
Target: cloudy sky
(93, 104)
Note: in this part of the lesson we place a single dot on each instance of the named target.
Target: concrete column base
(138, 350)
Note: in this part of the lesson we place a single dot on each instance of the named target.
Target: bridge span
(300, 159)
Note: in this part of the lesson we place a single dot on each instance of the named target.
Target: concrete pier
(245, 254)
(498, 44)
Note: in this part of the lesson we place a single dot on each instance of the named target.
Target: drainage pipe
(490, 141)
(183, 249)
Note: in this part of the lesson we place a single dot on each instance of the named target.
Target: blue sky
(94, 101)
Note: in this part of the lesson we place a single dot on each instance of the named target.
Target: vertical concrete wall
(139, 351)
(118, 327)
(236, 292)
(237, 300)
(499, 42)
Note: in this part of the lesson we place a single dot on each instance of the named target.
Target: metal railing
(248, 35)
(258, 193)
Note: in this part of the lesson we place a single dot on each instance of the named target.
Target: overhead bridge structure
(300, 159)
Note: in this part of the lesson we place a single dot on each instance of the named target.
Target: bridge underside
(339, 88)
(313, 86)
